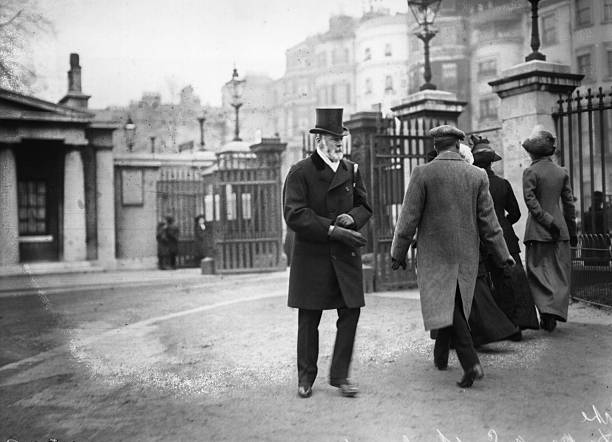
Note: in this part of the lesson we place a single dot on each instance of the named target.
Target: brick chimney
(75, 97)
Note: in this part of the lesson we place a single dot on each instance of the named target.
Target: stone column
(74, 231)
(9, 221)
(105, 205)
(529, 93)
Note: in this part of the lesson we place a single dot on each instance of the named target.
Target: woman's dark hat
(540, 142)
(482, 150)
(329, 121)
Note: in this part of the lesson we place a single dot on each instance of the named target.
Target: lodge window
(488, 108)
(367, 54)
(389, 84)
(368, 86)
(609, 61)
(607, 11)
(583, 13)
(32, 207)
(487, 68)
(585, 66)
(549, 29)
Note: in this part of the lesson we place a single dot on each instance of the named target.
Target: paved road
(213, 359)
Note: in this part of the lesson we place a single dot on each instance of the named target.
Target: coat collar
(327, 174)
(449, 155)
(546, 158)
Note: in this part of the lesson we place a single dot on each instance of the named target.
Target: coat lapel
(325, 173)
(341, 176)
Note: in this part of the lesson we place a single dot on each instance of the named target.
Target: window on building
(488, 108)
(388, 51)
(32, 207)
(607, 11)
(585, 66)
(368, 86)
(449, 76)
(609, 61)
(583, 13)
(388, 83)
(487, 68)
(367, 54)
(549, 29)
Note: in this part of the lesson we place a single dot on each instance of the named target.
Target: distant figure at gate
(324, 203)
(172, 236)
(549, 231)
(162, 245)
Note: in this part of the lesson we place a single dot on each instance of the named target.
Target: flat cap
(446, 131)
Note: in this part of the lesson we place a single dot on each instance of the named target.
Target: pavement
(144, 356)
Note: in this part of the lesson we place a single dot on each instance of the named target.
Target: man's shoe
(470, 376)
(305, 391)
(516, 337)
(346, 388)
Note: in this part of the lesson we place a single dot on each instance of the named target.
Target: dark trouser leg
(461, 336)
(308, 345)
(442, 346)
(343, 348)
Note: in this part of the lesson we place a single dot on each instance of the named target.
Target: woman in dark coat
(549, 231)
(511, 289)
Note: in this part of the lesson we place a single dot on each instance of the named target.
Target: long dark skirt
(512, 294)
(488, 323)
(548, 273)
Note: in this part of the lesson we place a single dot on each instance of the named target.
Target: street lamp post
(425, 12)
(236, 101)
(130, 130)
(535, 34)
(201, 120)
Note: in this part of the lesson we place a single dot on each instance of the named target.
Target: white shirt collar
(334, 166)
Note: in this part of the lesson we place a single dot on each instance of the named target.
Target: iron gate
(248, 236)
(180, 194)
(394, 153)
(583, 125)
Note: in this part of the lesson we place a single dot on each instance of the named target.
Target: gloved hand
(396, 264)
(344, 220)
(348, 237)
(554, 231)
(573, 241)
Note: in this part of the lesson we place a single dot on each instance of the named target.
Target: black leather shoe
(346, 388)
(470, 376)
(304, 391)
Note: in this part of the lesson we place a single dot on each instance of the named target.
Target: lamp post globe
(130, 131)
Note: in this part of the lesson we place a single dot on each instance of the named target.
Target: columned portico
(9, 228)
(74, 234)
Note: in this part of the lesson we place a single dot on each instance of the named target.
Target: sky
(128, 47)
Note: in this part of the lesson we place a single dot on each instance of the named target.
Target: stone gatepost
(529, 92)
(431, 108)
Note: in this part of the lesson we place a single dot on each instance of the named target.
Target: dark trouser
(461, 337)
(308, 344)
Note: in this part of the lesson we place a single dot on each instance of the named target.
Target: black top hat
(329, 121)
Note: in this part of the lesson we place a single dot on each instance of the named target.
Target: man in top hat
(549, 231)
(449, 207)
(324, 203)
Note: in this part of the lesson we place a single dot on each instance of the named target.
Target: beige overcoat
(449, 207)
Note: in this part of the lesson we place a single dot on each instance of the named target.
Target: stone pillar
(529, 93)
(105, 205)
(74, 231)
(9, 221)
(433, 107)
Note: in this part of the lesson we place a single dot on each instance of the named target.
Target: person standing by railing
(549, 231)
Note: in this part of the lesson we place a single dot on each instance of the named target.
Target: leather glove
(348, 237)
(554, 231)
(573, 241)
(344, 220)
(396, 264)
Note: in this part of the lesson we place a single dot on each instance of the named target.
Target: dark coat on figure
(324, 274)
(506, 209)
(544, 185)
(172, 235)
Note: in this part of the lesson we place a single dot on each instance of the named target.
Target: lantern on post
(425, 12)
(236, 91)
(202, 120)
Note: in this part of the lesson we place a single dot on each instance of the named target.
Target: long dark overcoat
(506, 209)
(324, 274)
(449, 206)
